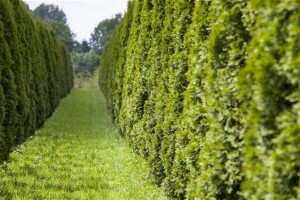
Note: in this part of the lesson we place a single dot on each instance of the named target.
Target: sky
(84, 15)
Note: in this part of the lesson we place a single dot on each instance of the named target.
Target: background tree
(86, 62)
(102, 33)
(50, 12)
(83, 60)
(81, 47)
(86, 55)
(56, 19)
(85, 47)
(63, 32)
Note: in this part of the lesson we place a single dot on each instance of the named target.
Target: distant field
(77, 155)
(86, 81)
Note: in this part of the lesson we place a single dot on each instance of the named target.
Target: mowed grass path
(77, 155)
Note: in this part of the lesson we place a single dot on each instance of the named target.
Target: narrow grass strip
(77, 155)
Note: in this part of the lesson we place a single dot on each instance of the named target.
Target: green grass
(77, 155)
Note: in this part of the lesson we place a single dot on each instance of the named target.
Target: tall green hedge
(36, 73)
(207, 91)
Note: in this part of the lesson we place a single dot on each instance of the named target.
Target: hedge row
(35, 73)
(208, 91)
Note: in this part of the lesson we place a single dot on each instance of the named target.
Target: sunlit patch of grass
(77, 155)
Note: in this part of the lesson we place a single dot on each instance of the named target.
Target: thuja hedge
(208, 92)
(35, 73)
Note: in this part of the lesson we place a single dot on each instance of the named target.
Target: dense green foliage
(77, 155)
(85, 63)
(207, 91)
(36, 73)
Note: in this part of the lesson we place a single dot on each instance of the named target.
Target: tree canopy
(103, 31)
(56, 19)
(50, 12)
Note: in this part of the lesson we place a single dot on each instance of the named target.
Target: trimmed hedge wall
(208, 92)
(35, 73)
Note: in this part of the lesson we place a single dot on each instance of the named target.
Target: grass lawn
(77, 155)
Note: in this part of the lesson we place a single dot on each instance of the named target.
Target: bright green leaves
(210, 95)
(271, 142)
(221, 143)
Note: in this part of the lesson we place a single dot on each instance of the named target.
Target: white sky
(84, 15)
